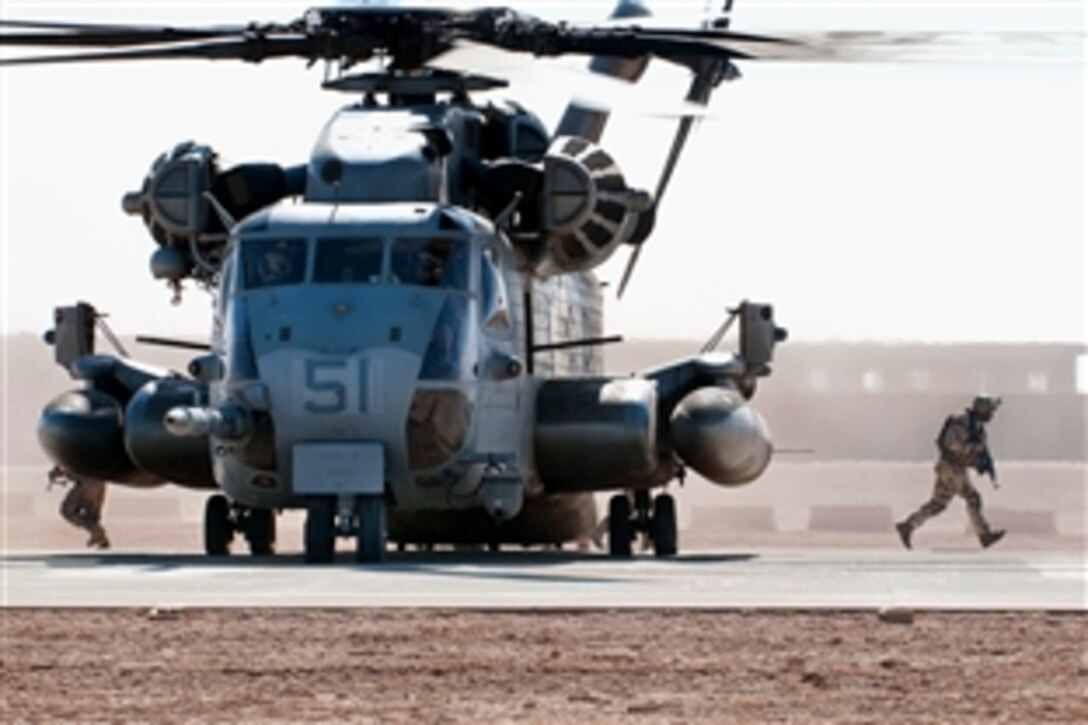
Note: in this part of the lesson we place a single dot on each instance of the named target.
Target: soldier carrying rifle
(962, 445)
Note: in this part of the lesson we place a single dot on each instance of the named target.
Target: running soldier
(82, 505)
(962, 445)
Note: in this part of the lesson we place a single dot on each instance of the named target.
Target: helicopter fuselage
(384, 335)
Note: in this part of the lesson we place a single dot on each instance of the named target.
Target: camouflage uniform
(962, 445)
(82, 506)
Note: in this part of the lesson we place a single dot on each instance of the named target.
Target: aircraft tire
(619, 526)
(664, 525)
(319, 534)
(261, 532)
(370, 544)
(218, 530)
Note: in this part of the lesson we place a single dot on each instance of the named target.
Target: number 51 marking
(336, 386)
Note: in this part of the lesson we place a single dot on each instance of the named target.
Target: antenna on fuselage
(225, 217)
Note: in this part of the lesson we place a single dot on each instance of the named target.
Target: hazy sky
(938, 202)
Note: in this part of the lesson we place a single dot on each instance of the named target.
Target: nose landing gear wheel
(319, 535)
(664, 525)
(261, 531)
(620, 532)
(218, 529)
(370, 546)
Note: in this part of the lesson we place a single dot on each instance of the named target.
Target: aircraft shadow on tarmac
(432, 562)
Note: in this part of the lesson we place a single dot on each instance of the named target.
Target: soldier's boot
(990, 538)
(905, 530)
(98, 539)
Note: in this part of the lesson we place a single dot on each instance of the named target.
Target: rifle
(984, 465)
(984, 462)
(56, 477)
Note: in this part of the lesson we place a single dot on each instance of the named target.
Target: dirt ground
(601, 666)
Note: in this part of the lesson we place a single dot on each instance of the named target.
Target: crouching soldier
(82, 505)
(962, 445)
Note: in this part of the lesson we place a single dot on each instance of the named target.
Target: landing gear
(218, 528)
(329, 517)
(319, 536)
(370, 539)
(620, 531)
(663, 525)
(222, 520)
(660, 528)
(260, 531)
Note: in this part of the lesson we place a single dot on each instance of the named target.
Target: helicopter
(407, 328)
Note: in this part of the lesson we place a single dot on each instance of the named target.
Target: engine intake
(175, 204)
(171, 200)
(587, 208)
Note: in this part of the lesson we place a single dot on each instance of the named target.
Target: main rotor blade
(253, 51)
(30, 33)
(526, 34)
(923, 46)
(588, 88)
(66, 40)
(108, 27)
(864, 46)
(514, 31)
(413, 38)
(629, 269)
(681, 137)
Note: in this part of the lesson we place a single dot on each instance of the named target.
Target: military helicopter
(407, 330)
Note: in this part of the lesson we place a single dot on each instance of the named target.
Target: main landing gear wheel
(319, 535)
(370, 543)
(218, 528)
(620, 532)
(664, 525)
(655, 519)
(260, 530)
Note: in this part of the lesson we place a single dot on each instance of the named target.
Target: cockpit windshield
(440, 262)
(431, 262)
(273, 262)
(348, 261)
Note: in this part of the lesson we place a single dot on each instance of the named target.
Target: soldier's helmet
(985, 406)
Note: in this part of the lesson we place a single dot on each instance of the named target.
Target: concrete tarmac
(953, 579)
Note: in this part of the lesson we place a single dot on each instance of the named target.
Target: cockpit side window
(273, 262)
(494, 309)
(348, 261)
(431, 262)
